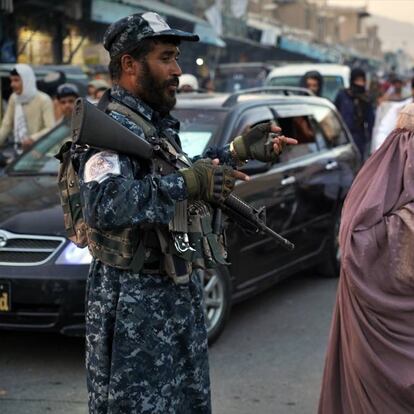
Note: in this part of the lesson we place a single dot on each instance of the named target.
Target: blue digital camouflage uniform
(146, 341)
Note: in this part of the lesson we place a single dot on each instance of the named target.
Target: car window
(250, 118)
(303, 129)
(331, 84)
(332, 130)
(197, 126)
(40, 159)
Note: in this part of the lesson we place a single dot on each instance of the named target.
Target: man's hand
(27, 143)
(209, 181)
(262, 143)
(280, 141)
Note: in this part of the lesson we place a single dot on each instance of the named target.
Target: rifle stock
(93, 127)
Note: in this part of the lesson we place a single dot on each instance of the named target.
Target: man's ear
(128, 64)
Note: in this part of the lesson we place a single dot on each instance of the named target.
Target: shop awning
(208, 35)
(106, 11)
(270, 33)
(314, 51)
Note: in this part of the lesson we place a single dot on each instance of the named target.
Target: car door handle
(288, 180)
(331, 165)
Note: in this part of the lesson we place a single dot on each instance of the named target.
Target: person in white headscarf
(29, 112)
(389, 120)
(187, 83)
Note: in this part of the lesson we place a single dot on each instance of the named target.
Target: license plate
(5, 296)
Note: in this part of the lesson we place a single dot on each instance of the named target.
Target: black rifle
(93, 127)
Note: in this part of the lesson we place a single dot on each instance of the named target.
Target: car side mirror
(255, 167)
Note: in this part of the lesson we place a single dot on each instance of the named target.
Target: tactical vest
(186, 243)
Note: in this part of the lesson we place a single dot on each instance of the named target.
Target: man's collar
(132, 102)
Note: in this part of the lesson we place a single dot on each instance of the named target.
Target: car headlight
(73, 255)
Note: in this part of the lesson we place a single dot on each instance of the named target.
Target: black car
(42, 274)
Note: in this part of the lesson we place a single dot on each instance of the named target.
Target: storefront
(47, 32)
(197, 58)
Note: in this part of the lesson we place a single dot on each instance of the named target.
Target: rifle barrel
(277, 237)
(240, 207)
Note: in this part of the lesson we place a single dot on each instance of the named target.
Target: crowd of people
(31, 112)
(370, 113)
(35, 107)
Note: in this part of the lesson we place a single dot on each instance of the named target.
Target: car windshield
(331, 84)
(40, 159)
(197, 128)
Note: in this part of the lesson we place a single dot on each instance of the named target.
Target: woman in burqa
(369, 365)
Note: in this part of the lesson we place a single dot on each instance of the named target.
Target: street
(269, 359)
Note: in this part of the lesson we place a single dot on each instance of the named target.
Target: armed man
(148, 226)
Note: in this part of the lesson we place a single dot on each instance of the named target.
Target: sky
(394, 9)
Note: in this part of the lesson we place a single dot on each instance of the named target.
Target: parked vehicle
(42, 274)
(335, 77)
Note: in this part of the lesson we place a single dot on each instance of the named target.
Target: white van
(335, 77)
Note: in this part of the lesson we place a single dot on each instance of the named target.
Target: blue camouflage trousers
(146, 344)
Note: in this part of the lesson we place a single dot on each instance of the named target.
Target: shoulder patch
(101, 165)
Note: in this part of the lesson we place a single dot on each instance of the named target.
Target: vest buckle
(182, 243)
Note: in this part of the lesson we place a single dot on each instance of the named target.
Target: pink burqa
(370, 360)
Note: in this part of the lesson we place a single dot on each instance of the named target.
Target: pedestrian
(66, 96)
(49, 84)
(375, 91)
(96, 87)
(208, 85)
(313, 81)
(356, 110)
(188, 83)
(369, 365)
(389, 120)
(395, 91)
(100, 92)
(101, 85)
(146, 340)
(90, 96)
(29, 112)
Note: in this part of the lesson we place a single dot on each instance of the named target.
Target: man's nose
(176, 70)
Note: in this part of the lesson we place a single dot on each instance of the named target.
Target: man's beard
(155, 93)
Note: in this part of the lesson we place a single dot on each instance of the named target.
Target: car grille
(27, 250)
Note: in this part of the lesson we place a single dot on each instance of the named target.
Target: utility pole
(8, 36)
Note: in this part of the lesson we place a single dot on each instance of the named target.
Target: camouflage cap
(124, 34)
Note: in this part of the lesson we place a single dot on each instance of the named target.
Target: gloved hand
(209, 182)
(261, 143)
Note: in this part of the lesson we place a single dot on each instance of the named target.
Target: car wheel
(217, 300)
(331, 265)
